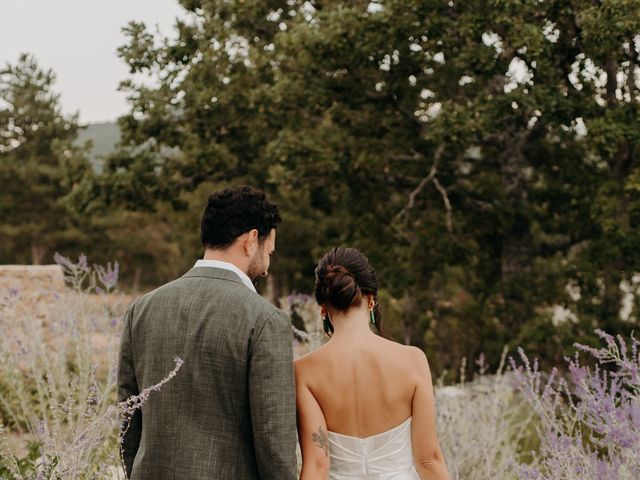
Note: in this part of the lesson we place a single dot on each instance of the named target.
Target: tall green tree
(39, 164)
(609, 78)
(44, 174)
(483, 154)
(509, 176)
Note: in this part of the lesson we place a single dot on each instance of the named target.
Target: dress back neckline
(391, 430)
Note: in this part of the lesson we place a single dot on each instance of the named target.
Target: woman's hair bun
(343, 278)
(337, 284)
(340, 288)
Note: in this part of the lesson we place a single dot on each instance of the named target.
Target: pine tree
(39, 165)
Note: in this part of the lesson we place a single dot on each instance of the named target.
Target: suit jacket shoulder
(235, 292)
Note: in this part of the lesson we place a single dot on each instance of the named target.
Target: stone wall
(31, 278)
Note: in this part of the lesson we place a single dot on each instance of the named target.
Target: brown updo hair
(343, 278)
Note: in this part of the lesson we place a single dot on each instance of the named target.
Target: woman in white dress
(365, 404)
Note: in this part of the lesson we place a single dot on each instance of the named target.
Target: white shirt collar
(227, 266)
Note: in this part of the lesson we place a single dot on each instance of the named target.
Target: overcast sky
(78, 40)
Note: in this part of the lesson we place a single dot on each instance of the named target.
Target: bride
(365, 404)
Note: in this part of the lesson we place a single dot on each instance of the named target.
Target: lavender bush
(484, 425)
(589, 422)
(60, 420)
(58, 354)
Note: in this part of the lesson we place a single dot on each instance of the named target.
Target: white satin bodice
(386, 456)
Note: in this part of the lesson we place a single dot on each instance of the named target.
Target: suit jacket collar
(213, 272)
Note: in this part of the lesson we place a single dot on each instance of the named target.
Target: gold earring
(372, 306)
(326, 324)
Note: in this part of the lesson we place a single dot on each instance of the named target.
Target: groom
(230, 411)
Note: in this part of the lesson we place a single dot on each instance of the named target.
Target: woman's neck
(352, 324)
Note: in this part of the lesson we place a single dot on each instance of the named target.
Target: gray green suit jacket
(230, 411)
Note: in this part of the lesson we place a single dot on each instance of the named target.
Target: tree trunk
(136, 279)
(272, 290)
(412, 334)
(409, 322)
(611, 298)
(516, 263)
(614, 267)
(611, 67)
(517, 243)
(38, 254)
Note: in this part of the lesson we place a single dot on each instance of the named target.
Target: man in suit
(229, 413)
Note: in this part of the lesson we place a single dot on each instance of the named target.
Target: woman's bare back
(363, 388)
(361, 385)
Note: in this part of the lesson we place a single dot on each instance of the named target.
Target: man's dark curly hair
(234, 211)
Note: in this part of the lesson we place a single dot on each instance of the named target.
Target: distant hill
(104, 138)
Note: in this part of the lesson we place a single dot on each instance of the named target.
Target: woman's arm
(424, 439)
(312, 431)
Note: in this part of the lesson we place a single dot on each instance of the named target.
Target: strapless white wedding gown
(386, 456)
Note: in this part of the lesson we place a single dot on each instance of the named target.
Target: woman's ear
(371, 301)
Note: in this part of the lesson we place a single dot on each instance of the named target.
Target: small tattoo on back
(321, 439)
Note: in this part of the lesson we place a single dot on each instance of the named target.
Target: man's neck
(225, 256)
(226, 265)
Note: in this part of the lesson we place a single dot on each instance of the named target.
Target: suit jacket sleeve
(272, 399)
(128, 386)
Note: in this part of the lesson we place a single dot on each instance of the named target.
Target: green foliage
(44, 173)
(405, 130)
(36, 152)
(28, 463)
(483, 154)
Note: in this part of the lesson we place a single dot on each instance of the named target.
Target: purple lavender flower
(82, 263)
(589, 425)
(62, 260)
(108, 276)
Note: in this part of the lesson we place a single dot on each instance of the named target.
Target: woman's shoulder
(408, 351)
(309, 360)
(410, 356)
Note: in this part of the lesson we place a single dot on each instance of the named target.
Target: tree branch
(402, 157)
(611, 67)
(633, 63)
(423, 183)
(447, 203)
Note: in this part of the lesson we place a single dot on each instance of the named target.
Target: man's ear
(250, 242)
